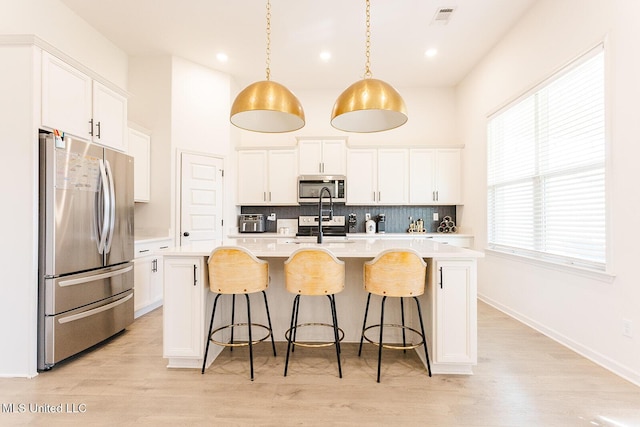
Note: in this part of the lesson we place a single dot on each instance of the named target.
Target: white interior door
(201, 198)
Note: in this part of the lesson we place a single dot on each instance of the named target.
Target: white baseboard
(147, 309)
(594, 356)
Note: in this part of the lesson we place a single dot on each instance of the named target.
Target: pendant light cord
(268, 40)
(367, 65)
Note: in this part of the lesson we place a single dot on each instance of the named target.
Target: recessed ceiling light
(222, 57)
(430, 53)
(325, 55)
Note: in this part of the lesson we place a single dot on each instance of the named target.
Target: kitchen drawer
(150, 246)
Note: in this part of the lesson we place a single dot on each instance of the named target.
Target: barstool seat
(399, 273)
(236, 271)
(313, 272)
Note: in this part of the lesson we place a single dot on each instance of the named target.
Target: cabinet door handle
(264, 196)
(91, 127)
(154, 266)
(379, 197)
(437, 196)
(98, 126)
(269, 195)
(440, 277)
(374, 196)
(195, 274)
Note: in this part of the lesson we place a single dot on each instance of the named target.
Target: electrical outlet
(367, 216)
(435, 216)
(627, 328)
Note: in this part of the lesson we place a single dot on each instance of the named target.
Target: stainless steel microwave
(309, 187)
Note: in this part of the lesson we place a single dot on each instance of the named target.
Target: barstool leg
(404, 338)
(266, 304)
(334, 317)
(250, 337)
(364, 324)
(233, 318)
(206, 352)
(381, 327)
(294, 332)
(424, 337)
(332, 303)
(291, 327)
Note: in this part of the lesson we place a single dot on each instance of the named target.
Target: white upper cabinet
(283, 177)
(393, 176)
(267, 177)
(66, 97)
(140, 149)
(435, 176)
(75, 104)
(377, 176)
(252, 177)
(362, 176)
(327, 157)
(109, 118)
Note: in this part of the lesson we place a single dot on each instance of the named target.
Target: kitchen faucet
(320, 211)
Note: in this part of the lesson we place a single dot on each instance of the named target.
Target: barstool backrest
(235, 270)
(313, 272)
(395, 273)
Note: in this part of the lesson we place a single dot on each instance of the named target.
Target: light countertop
(266, 247)
(357, 235)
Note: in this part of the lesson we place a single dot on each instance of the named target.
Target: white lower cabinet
(454, 313)
(185, 291)
(148, 293)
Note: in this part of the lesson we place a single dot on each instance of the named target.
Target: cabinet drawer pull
(143, 250)
(195, 276)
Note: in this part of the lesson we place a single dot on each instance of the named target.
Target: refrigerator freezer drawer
(69, 333)
(73, 291)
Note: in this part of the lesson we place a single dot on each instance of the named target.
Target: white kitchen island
(448, 305)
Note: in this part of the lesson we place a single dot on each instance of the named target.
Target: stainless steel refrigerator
(86, 247)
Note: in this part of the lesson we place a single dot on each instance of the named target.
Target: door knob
(185, 234)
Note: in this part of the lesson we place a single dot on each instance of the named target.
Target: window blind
(546, 169)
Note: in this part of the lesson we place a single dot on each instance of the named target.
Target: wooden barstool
(397, 273)
(236, 271)
(313, 272)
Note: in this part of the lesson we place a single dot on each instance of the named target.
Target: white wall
(431, 120)
(19, 119)
(150, 107)
(18, 178)
(583, 313)
(186, 107)
(53, 22)
(200, 103)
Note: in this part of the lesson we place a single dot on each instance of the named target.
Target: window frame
(602, 271)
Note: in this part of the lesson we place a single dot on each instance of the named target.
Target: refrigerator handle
(102, 232)
(111, 208)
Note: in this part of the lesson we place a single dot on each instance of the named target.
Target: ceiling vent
(443, 16)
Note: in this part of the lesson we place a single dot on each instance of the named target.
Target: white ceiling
(401, 32)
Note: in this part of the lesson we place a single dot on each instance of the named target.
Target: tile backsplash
(397, 217)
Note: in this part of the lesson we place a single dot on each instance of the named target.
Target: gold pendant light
(369, 105)
(267, 106)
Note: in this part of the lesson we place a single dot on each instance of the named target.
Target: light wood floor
(522, 379)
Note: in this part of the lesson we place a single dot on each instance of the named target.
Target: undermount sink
(314, 240)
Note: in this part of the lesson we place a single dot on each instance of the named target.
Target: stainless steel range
(308, 226)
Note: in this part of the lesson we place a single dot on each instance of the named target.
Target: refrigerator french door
(86, 247)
